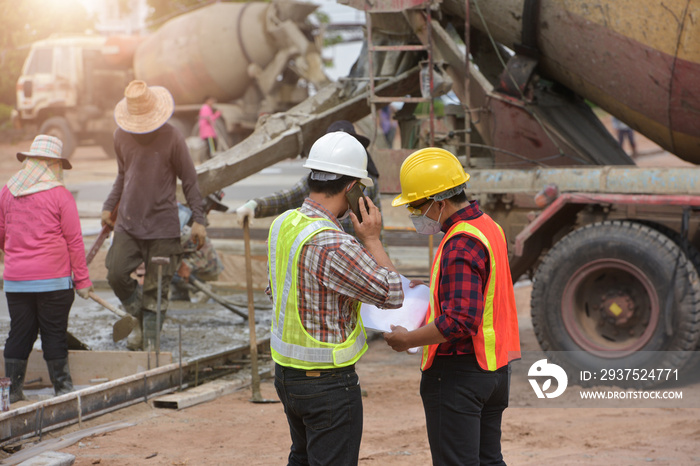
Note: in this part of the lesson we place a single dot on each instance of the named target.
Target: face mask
(425, 225)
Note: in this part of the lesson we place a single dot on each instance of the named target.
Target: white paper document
(410, 316)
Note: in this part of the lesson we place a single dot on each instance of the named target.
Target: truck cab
(68, 88)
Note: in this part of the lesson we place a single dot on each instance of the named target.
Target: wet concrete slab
(207, 327)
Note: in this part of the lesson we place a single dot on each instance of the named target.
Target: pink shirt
(41, 237)
(207, 116)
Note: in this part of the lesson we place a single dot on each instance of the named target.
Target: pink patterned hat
(48, 147)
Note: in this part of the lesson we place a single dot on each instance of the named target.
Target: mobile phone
(353, 196)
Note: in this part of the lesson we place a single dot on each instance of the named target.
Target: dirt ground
(233, 431)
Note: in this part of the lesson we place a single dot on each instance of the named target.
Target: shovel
(255, 375)
(121, 328)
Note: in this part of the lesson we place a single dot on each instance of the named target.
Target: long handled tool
(255, 375)
(219, 299)
(121, 328)
(104, 233)
(160, 262)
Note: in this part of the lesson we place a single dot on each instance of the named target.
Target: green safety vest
(290, 343)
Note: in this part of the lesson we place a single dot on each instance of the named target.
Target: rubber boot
(59, 373)
(149, 328)
(134, 342)
(179, 292)
(15, 369)
(132, 305)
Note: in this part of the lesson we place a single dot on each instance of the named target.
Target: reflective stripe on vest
(290, 343)
(497, 340)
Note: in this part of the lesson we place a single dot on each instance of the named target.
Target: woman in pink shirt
(44, 262)
(207, 120)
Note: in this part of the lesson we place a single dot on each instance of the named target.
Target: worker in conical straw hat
(319, 275)
(471, 329)
(44, 263)
(151, 156)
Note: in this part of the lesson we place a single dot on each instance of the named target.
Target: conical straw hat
(143, 109)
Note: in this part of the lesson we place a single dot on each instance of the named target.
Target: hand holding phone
(353, 196)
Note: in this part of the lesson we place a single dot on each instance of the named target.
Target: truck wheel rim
(597, 300)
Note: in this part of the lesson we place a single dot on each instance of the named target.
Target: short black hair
(330, 187)
(459, 198)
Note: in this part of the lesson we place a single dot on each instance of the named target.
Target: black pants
(125, 255)
(464, 406)
(31, 313)
(324, 412)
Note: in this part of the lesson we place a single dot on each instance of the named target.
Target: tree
(163, 10)
(26, 21)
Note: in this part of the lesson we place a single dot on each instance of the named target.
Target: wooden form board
(93, 367)
(207, 392)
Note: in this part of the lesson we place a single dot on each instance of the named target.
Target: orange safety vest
(497, 341)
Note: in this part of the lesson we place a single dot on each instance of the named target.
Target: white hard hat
(341, 154)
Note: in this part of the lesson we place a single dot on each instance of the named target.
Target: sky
(342, 55)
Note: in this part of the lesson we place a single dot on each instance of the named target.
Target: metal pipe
(466, 105)
(431, 63)
(179, 352)
(160, 284)
(254, 373)
(602, 179)
(160, 261)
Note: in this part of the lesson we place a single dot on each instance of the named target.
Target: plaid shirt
(335, 273)
(464, 273)
(285, 199)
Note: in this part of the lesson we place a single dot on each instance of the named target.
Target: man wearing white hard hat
(278, 202)
(151, 156)
(319, 275)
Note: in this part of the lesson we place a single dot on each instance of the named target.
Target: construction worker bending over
(471, 330)
(199, 263)
(151, 155)
(318, 276)
(44, 261)
(291, 198)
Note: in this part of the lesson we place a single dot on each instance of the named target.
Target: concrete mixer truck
(611, 248)
(254, 58)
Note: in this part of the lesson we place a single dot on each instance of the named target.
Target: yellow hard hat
(428, 172)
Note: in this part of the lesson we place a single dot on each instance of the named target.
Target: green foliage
(5, 113)
(423, 108)
(329, 41)
(163, 10)
(322, 17)
(23, 22)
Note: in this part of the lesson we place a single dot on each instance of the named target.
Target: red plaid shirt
(464, 273)
(335, 273)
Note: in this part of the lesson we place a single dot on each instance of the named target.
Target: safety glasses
(415, 209)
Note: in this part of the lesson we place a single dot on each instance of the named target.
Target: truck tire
(599, 301)
(693, 255)
(58, 127)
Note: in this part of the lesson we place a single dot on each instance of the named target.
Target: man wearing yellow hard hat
(471, 329)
